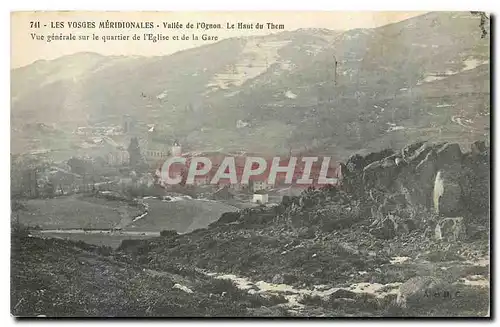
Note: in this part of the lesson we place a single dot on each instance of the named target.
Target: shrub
(218, 286)
(313, 300)
(168, 233)
(276, 299)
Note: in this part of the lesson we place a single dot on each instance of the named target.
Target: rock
(343, 294)
(342, 302)
(425, 173)
(478, 147)
(411, 151)
(377, 156)
(289, 279)
(307, 233)
(416, 178)
(475, 232)
(354, 163)
(229, 217)
(380, 174)
(351, 174)
(278, 279)
(447, 193)
(476, 184)
(421, 291)
(450, 229)
(449, 154)
(386, 228)
(182, 288)
(392, 203)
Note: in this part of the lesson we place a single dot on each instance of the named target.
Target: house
(176, 150)
(258, 185)
(201, 180)
(118, 158)
(113, 153)
(261, 198)
(153, 152)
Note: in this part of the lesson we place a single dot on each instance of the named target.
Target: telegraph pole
(335, 71)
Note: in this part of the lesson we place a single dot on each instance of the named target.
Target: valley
(403, 229)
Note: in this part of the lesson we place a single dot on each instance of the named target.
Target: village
(129, 158)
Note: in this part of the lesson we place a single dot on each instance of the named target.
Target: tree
(79, 166)
(482, 22)
(49, 189)
(135, 152)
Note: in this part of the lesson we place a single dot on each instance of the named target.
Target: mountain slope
(390, 85)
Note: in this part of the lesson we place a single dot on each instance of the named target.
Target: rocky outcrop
(381, 174)
(475, 180)
(423, 178)
(436, 176)
(448, 155)
(352, 170)
(422, 291)
(182, 288)
(450, 229)
(410, 189)
(447, 193)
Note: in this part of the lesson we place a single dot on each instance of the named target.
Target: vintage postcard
(250, 164)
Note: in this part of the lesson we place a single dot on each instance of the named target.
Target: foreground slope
(57, 278)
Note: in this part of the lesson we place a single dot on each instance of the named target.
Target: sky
(26, 50)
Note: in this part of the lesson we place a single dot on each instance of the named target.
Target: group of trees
(135, 152)
(482, 22)
(25, 173)
(31, 178)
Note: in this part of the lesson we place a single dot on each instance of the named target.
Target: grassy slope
(59, 278)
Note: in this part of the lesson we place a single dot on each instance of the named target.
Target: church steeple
(176, 150)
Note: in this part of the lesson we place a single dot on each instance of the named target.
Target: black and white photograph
(279, 164)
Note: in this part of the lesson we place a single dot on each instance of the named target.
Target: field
(81, 218)
(75, 212)
(182, 216)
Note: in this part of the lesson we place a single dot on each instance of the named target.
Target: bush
(313, 300)
(442, 255)
(16, 205)
(168, 233)
(277, 299)
(218, 286)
